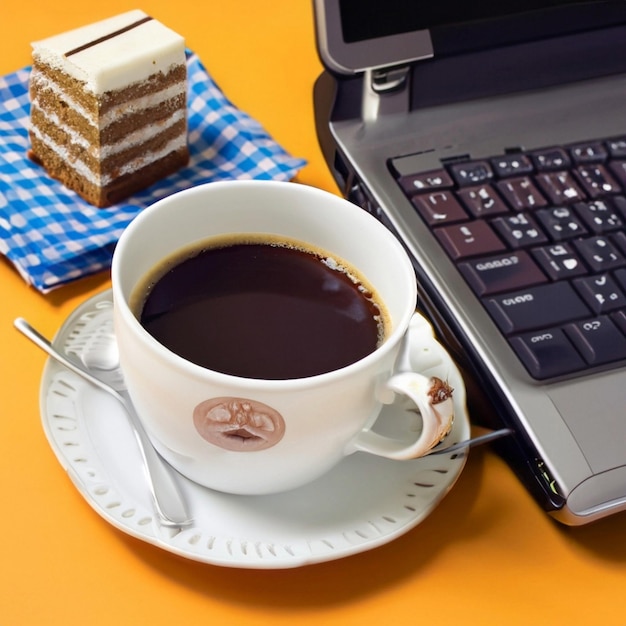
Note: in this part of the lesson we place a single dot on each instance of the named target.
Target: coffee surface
(263, 311)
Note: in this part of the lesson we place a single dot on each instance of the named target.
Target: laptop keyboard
(540, 237)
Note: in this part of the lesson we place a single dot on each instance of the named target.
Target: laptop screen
(403, 16)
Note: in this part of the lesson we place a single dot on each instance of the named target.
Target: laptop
(490, 137)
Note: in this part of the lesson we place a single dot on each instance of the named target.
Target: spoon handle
(168, 500)
(475, 441)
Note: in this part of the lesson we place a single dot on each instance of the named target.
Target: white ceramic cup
(314, 422)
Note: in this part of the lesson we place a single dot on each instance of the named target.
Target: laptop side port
(544, 475)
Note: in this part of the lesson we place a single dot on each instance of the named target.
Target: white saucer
(363, 503)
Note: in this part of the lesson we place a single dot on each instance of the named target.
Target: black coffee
(259, 310)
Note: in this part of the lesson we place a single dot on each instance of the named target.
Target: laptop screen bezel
(355, 57)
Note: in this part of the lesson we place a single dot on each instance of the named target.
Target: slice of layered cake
(109, 106)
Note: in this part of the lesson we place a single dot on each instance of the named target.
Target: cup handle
(436, 420)
(431, 396)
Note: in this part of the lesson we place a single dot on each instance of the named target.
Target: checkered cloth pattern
(53, 237)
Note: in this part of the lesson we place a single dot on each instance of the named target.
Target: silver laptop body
(411, 88)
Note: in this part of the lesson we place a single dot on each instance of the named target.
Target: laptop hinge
(385, 90)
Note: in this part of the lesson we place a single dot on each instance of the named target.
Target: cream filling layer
(148, 101)
(81, 168)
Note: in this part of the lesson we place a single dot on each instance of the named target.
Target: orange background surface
(487, 555)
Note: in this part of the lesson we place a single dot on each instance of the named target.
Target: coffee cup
(276, 427)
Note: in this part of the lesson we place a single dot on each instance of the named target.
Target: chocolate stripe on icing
(121, 31)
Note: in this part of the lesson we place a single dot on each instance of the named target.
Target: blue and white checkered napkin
(52, 236)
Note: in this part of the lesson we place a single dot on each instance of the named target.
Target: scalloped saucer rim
(364, 502)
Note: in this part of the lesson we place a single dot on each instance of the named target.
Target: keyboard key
(471, 172)
(619, 202)
(482, 201)
(601, 293)
(426, 181)
(548, 353)
(617, 147)
(560, 223)
(521, 193)
(619, 239)
(519, 230)
(619, 170)
(560, 187)
(620, 275)
(599, 253)
(589, 152)
(599, 215)
(512, 165)
(536, 307)
(598, 340)
(439, 207)
(550, 159)
(559, 261)
(596, 180)
(468, 239)
(619, 319)
(504, 272)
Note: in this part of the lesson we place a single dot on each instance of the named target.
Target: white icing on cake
(114, 63)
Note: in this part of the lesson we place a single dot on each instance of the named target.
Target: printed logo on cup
(238, 424)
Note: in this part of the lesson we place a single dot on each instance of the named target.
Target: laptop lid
(358, 35)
